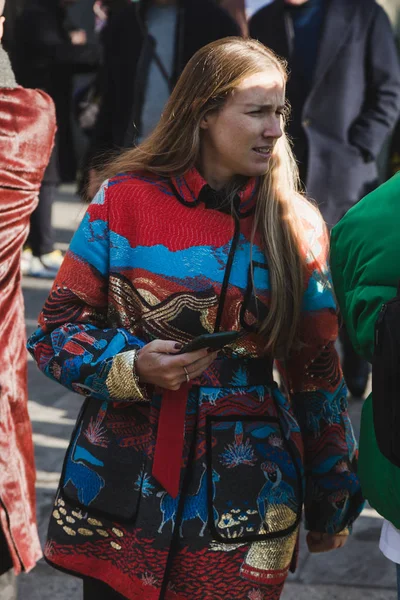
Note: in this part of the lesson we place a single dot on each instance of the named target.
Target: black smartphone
(213, 341)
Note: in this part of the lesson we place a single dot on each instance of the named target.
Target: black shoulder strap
(153, 44)
(160, 64)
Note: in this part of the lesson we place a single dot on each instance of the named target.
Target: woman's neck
(216, 178)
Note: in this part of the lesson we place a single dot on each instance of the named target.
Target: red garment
(160, 258)
(27, 128)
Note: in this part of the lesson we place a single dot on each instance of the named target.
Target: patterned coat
(154, 258)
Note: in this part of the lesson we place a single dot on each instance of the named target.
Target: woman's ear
(204, 123)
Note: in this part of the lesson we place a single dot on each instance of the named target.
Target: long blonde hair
(174, 147)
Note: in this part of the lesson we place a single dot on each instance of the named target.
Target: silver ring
(187, 374)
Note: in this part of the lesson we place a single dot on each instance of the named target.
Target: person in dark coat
(50, 51)
(27, 129)
(344, 92)
(137, 82)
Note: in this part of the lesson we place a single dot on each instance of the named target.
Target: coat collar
(273, 26)
(188, 187)
(336, 29)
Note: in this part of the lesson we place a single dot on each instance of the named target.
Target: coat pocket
(254, 479)
(104, 465)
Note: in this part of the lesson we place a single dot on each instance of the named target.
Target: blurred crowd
(110, 67)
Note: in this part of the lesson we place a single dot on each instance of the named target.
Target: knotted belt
(171, 423)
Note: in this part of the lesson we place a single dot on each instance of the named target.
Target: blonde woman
(187, 471)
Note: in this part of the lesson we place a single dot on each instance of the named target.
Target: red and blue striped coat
(155, 258)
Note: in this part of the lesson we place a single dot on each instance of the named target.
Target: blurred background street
(357, 572)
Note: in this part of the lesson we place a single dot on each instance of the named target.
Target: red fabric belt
(171, 424)
(170, 438)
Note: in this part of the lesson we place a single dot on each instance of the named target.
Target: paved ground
(357, 572)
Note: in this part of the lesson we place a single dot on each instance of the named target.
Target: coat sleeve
(318, 394)
(364, 262)
(76, 344)
(382, 95)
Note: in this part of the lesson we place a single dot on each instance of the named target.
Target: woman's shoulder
(137, 179)
(309, 214)
(314, 230)
(136, 185)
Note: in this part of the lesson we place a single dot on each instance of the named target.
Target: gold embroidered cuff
(122, 381)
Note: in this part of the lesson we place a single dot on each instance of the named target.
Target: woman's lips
(264, 151)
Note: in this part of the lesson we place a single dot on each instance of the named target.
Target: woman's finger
(196, 373)
(191, 357)
(163, 347)
(201, 365)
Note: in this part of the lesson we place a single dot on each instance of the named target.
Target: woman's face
(239, 138)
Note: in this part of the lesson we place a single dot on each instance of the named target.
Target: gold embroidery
(84, 531)
(121, 381)
(150, 298)
(278, 517)
(117, 532)
(273, 554)
(102, 532)
(115, 546)
(269, 555)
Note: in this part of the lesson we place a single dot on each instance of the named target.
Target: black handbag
(386, 379)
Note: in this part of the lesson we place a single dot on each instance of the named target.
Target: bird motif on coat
(275, 491)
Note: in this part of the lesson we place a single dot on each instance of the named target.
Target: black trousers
(5, 558)
(41, 234)
(97, 590)
(8, 581)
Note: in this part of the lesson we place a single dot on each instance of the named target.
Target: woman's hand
(323, 542)
(78, 37)
(157, 365)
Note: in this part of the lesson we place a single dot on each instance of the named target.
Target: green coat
(365, 261)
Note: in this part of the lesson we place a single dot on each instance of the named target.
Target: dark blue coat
(353, 102)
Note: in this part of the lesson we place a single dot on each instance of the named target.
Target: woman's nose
(273, 129)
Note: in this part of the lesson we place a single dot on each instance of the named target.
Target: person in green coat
(365, 250)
